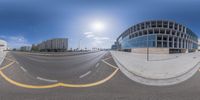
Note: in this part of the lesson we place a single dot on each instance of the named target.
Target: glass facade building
(159, 34)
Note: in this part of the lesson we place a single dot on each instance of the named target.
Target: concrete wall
(151, 50)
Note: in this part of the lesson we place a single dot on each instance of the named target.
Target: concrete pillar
(186, 51)
(178, 42)
(172, 41)
(181, 43)
(168, 41)
(162, 41)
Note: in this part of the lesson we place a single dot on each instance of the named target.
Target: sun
(98, 26)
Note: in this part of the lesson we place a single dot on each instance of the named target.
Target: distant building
(3, 45)
(25, 48)
(34, 47)
(199, 45)
(54, 45)
(160, 36)
(114, 46)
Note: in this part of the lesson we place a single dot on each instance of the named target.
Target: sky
(26, 22)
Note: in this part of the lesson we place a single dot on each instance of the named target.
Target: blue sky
(24, 22)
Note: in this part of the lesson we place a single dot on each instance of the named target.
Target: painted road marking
(97, 65)
(44, 79)
(109, 64)
(107, 58)
(8, 65)
(85, 74)
(17, 62)
(59, 84)
(9, 59)
(23, 69)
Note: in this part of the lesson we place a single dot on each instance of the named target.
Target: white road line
(23, 69)
(48, 80)
(85, 74)
(97, 65)
(107, 58)
(17, 62)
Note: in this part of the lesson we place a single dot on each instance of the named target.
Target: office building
(54, 45)
(158, 36)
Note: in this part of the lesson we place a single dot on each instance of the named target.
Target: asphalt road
(90, 76)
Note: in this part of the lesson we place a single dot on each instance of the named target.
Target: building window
(159, 38)
(145, 32)
(173, 32)
(140, 33)
(148, 24)
(165, 24)
(170, 44)
(159, 24)
(162, 31)
(150, 31)
(156, 31)
(178, 33)
(167, 31)
(153, 24)
(164, 44)
(170, 39)
(176, 26)
(164, 38)
(171, 25)
(159, 44)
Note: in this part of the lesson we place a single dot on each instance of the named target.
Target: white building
(54, 45)
(3, 45)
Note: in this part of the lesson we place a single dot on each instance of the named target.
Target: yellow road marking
(9, 59)
(6, 66)
(57, 84)
(25, 85)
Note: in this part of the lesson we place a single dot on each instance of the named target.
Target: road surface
(92, 76)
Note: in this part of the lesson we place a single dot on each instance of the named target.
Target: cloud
(16, 41)
(90, 36)
(101, 38)
(87, 33)
(97, 41)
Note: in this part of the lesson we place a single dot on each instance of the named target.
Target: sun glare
(98, 26)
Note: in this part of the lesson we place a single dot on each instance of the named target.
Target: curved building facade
(159, 36)
(3, 45)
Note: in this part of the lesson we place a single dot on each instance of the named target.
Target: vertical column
(181, 43)
(178, 42)
(162, 41)
(168, 41)
(185, 43)
(155, 40)
(172, 41)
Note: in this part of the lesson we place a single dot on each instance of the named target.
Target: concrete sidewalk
(161, 69)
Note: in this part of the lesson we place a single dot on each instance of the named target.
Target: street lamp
(79, 45)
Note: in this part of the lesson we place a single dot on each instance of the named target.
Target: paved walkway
(159, 66)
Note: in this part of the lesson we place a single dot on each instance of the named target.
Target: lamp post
(79, 45)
